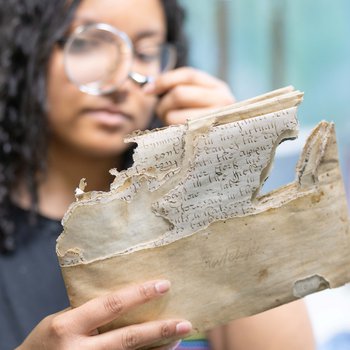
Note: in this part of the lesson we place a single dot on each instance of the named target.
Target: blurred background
(260, 45)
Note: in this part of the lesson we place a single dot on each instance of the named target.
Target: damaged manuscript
(189, 210)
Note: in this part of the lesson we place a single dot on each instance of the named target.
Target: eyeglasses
(98, 58)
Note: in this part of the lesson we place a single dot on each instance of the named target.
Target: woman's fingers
(180, 76)
(102, 310)
(184, 92)
(77, 329)
(141, 335)
(192, 97)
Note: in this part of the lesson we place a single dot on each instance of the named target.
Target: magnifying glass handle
(140, 79)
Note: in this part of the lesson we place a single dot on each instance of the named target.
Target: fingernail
(175, 345)
(162, 286)
(149, 88)
(183, 327)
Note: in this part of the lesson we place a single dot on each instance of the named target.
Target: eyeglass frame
(136, 77)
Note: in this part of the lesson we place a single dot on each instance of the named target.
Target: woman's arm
(284, 328)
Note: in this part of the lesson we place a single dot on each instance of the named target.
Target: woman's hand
(186, 93)
(76, 329)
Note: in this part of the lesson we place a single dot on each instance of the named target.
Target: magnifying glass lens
(97, 58)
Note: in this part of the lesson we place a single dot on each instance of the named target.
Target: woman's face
(96, 125)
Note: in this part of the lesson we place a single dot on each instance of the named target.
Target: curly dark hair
(29, 31)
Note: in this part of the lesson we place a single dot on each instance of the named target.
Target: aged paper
(189, 210)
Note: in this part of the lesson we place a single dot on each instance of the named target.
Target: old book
(189, 210)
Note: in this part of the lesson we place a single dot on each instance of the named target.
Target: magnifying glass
(98, 58)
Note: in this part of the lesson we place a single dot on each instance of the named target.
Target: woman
(53, 134)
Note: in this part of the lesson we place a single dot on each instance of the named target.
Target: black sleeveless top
(31, 285)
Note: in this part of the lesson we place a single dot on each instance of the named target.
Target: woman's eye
(148, 54)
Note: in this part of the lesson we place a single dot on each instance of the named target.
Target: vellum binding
(189, 210)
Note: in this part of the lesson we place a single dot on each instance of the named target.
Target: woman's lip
(108, 117)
